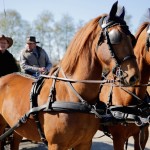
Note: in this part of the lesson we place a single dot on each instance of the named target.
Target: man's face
(30, 46)
(3, 45)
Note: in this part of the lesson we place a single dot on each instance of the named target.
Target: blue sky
(77, 9)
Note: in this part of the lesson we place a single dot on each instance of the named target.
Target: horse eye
(114, 36)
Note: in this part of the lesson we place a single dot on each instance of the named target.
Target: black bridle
(117, 69)
(139, 113)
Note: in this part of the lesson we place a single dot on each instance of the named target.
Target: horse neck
(89, 72)
(145, 75)
(144, 67)
(87, 68)
(119, 95)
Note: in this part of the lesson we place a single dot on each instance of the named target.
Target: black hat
(31, 39)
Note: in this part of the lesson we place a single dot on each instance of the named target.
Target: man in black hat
(7, 61)
(33, 59)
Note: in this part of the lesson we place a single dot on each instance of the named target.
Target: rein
(132, 112)
(55, 106)
(138, 114)
(79, 81)
(115, 114)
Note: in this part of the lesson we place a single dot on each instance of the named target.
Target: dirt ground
(103, 143)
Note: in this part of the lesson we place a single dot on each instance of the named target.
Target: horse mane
(79, 44)
(141, 28)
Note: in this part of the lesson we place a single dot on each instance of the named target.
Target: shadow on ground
(31, 146)
(95, 146)
(101, 146)
(133, 146)
(105, 146)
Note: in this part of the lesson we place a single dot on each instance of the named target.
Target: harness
(52, 105)
(108, 115)
(138, 114)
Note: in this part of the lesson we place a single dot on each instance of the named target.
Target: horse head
(130, 99)
(116, 41)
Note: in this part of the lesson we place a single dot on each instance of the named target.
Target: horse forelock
(81, 43)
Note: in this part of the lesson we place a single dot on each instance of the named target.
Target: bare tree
(63, 32)
(43, 29)
(14, 26)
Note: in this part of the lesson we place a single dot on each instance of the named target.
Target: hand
(42, 69)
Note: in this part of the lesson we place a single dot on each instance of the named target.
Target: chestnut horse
(85, 57)
(122, 96)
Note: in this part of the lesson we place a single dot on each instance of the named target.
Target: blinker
(148, 38)
(114, 36)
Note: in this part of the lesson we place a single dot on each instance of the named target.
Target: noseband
(113, 38)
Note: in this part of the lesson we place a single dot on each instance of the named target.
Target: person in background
(8, 63)
(33, 59)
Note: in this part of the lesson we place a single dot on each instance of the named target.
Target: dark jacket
(7, 63)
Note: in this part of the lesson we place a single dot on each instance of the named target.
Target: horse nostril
(133, 80)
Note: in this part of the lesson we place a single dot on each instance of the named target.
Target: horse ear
(113, 11)
(122, 13)
(149, 13)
